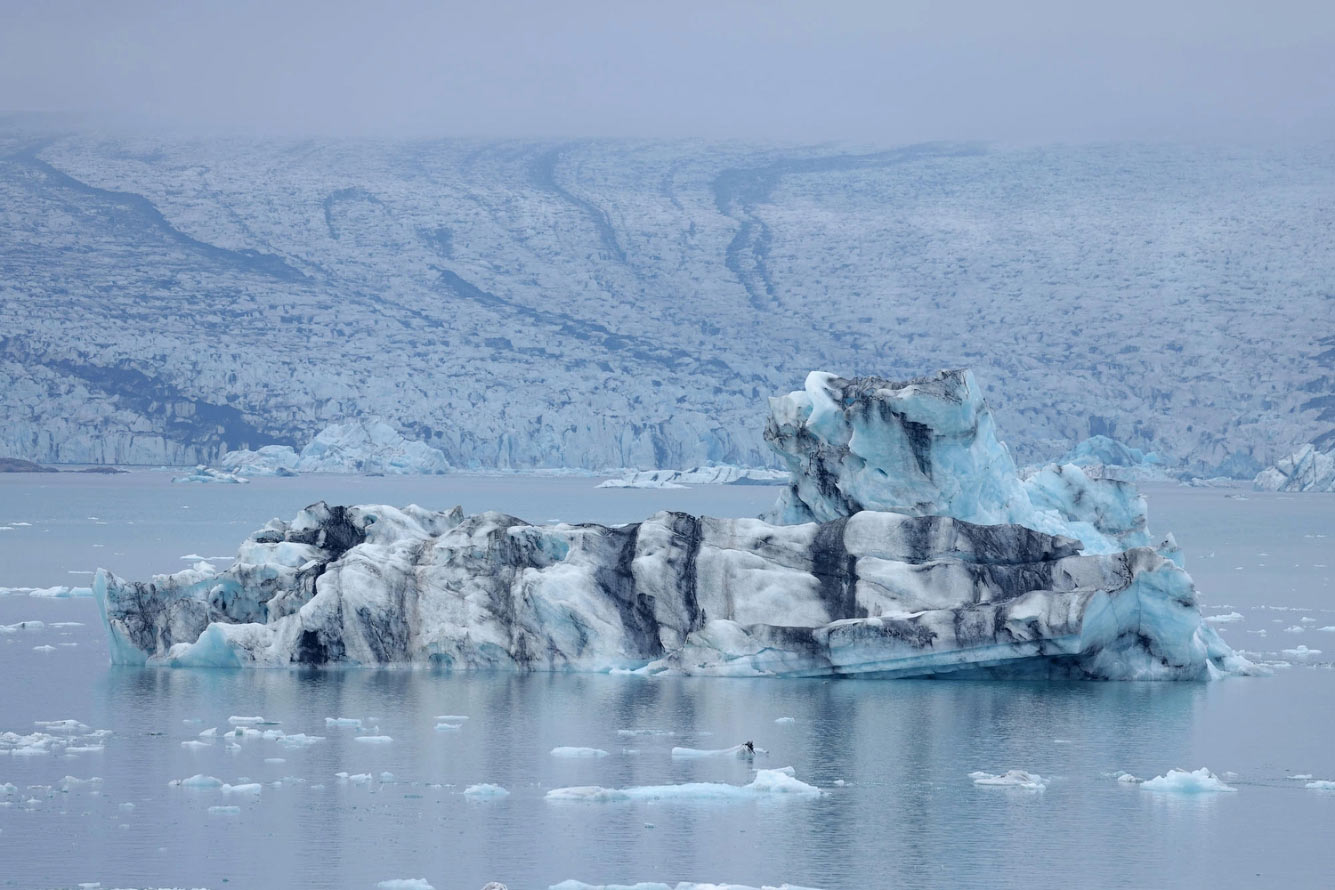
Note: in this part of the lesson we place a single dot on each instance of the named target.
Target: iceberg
(363, 445)
(1310, 468)
(905, 544)
(1181, 781)
(716, 475)
(202, 473)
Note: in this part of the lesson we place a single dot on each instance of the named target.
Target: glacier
(905, 544)
(1310, 468)
(360, 445)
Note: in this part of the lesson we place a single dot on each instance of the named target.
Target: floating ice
(717, 475)
(58, 592)
(909, 547)
(1184, 782)
(1321, 785)
(1128, 779)
(1014, 778)
(202, 473)
(786, 720)
(767, 782)
(343, 721)
(405, 884)
(448, 727)
(1301, 652)
(224, 810)
(578, 752)
(374, 739)
(361, 445)
(1308, 469)
(1226, 618)
(245, 721)
(355, 778)
(452, 717)
(195, 744)
(44, 648)
(485, 790)
(247, 788)
(199, 780)
(299, 740)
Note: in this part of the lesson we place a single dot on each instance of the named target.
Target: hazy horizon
(855, 72)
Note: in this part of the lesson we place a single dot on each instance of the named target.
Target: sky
(884, 72)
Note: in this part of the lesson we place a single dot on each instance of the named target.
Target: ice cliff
(1310, 468)
(905, 545)
(364, 445)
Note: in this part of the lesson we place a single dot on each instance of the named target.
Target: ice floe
(1187, 782)
(744, 752)
(778, 782)
(1013, 778)
(570, 752)
(484, 790)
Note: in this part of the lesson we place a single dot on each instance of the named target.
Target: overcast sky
(890, 72)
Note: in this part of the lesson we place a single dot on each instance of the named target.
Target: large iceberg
(363, 445)
(1308, 469)
(904, 545)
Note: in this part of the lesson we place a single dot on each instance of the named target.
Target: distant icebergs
(362, 445)
(715, 475)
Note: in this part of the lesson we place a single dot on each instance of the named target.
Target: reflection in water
(907, 817)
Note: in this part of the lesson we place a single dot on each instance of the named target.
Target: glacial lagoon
(892, 758)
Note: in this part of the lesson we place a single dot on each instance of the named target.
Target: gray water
(905, 815)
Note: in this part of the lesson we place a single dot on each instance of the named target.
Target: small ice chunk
(374, 739)
(387, 776)
(127, 806)
(245, 721)
(786, 720)
(1184, 782)
(405, 884)
(247, 788)
(1300, 776)
(209, 733)
(195, 743)
(1128, 779)
(224, 811)
(485, 789)
(353, 722)
(453, 718)
(1012, 778)
(275, 760)
(299, 740)
(578, 752)
(1321, 785)
(45, 647)
(448, 727)
(1226, 618)
(199, 780)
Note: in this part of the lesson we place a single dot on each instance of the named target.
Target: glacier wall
(624, 305)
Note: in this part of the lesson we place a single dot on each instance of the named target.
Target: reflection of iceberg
(365, 445)
(906, 546)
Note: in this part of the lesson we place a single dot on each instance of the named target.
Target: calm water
(906, 814)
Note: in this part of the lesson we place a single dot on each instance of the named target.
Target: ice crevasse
(905, 544)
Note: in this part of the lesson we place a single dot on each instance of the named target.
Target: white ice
(1184, 782)
(578, 752)
(767, 782)
(484, 790)
(1014, 778)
